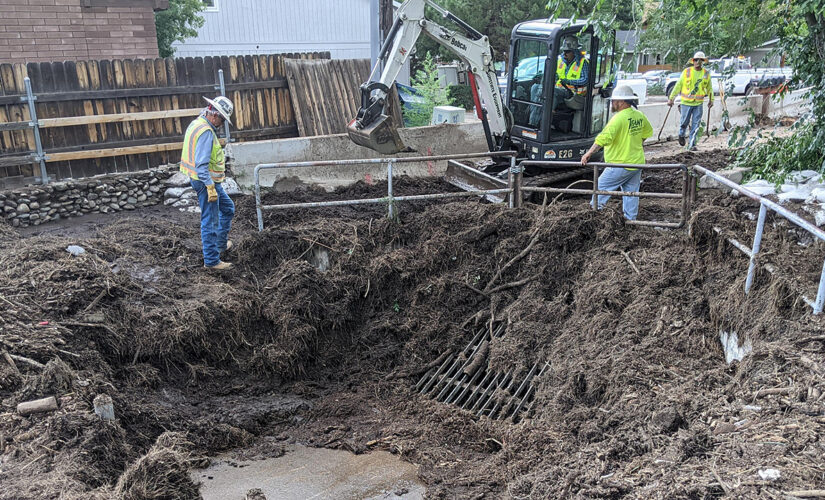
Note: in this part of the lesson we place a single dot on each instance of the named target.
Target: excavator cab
(559, 82)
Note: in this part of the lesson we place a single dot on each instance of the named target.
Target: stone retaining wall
(34, 205)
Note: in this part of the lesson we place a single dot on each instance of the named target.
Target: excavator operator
(572, 72)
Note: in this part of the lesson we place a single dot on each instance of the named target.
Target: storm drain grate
(463, 379)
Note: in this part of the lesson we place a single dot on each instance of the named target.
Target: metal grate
(463, 379)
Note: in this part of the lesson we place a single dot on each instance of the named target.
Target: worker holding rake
(693, 85)
(622, 140)
(203, 160)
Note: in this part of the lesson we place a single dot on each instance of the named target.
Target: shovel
(659, 137)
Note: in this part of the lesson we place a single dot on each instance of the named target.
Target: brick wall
(70, 30)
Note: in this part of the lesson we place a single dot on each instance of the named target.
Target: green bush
(426, 82)
(461, 96)
(777, 157)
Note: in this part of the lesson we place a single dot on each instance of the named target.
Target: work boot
(220, 266)
(681, 140)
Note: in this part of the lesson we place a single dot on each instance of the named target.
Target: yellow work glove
(213, 195)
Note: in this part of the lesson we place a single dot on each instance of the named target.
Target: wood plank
(278, 83)
(116, 118)
(82, 74)
(172, 79)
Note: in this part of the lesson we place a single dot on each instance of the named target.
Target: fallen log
(37, 406)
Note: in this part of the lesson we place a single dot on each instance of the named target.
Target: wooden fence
(123, 115)
(326, 94)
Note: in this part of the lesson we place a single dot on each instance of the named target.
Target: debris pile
(334, 314)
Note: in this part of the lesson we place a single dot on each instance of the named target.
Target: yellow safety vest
(573, 72)
(695, 86)
(217, 161)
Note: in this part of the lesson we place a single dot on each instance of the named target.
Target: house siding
(242, 27)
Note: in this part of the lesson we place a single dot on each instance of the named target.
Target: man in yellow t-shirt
(622, 140)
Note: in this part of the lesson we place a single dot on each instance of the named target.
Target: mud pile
(332, 315)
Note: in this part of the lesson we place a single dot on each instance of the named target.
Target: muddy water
(315, 473)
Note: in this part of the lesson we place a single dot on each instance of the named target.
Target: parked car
(655, 76)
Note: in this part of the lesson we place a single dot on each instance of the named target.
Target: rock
(141, 197)
(15, 222)
(60, 186)
(131, 200)
(104, 407)
(724, 428)
(154, 189)
(817, 195)
(129, 206)
(795, 193)
(23, 208)
(8, 210)
(668, 421)
(114, 206)
(179, 179)
(189, 195)
(231, 187)
(184, 203)
(169, 201)
(192, 210)
(75, 250)
(177, 192)
(34, 206)
(769, 474)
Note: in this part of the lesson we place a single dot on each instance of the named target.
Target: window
(527, 89)
(210, 5)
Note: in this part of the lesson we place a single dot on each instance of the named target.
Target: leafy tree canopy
(177, 23)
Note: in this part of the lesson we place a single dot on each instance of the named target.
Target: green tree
(720, 28)
(177, 23)
(493, 18)
(426, 82)
(802, 42)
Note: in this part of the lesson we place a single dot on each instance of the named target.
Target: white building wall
(243, 27)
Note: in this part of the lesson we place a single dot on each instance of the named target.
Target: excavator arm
(372, 128)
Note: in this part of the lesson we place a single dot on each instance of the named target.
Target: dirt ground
(638, 400)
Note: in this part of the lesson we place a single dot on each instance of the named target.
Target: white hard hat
(699, 55)
(223, 106)
(624, 93)
(569, 43)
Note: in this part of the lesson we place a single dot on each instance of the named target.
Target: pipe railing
(753, 252)
(685, 195)
(390, 199)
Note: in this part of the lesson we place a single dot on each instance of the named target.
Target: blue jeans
(559, 95)
(615, 179)
(216, 221)
(691, 115)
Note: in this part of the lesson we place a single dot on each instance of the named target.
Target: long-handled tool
(659, 137)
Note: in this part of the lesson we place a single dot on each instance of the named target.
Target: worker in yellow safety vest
(693, 86)
(202, 159)
(572, 72)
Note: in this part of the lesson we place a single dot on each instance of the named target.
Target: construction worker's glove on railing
(213, 195)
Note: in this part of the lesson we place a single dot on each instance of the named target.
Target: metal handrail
(389, 199)
(685, 195)
(765, 204)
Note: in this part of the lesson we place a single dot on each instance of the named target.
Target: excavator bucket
(379, 136)
(471, 179)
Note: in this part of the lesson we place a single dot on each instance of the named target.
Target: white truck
(738, 76)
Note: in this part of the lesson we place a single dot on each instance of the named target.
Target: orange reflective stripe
(193, 139)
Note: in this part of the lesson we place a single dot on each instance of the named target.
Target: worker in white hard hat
(622, 140)
(203, 160)
(572, 71)
(693, 85)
